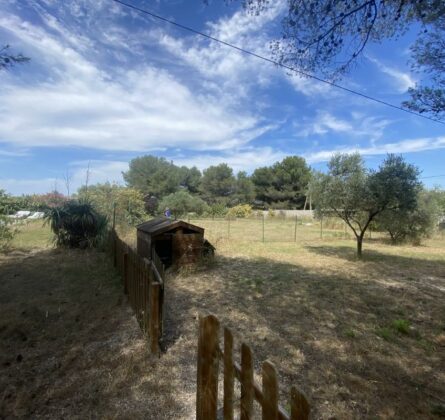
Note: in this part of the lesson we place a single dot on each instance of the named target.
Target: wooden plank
(300, 408)
(154, 317)
(208, 358)
(270, 392)
(247, 389)
(258, 393)
(229, 375)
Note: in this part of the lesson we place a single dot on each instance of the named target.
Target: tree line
(283, 185)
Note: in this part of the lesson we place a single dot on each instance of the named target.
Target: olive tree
(358, 195)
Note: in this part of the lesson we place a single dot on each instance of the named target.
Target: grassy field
(363, 339)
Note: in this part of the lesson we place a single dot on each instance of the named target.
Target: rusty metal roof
(160, 225)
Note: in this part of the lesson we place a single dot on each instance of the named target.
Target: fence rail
(143, 282)
(209, 355)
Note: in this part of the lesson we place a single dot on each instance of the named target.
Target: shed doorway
(164, 249)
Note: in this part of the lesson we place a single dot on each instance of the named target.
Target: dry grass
(363, 339)
(69, 345)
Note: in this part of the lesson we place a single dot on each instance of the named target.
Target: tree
(153, 175)
(358, 196)
(190, 178)
(428, 55)
(284, 184)
(126, 203)
(217, 183)
(181, 202)
(244, 188)
(8, 60)
(411, 225)
(328, 37)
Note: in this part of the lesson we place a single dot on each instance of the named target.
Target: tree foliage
(8, 60)
(181, 202)
(218, 183)
(283, 184)
(411, 225)
(108, 199)
(328, 37)
(358, 196)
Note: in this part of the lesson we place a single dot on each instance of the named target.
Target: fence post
(270, 391)
(295, 230)
(321, 227)
(299, 406)
(208, 358)
(263, 227)
(247, 390)
(229, 375)
(228, 227)
(345, 229)
(155, 293)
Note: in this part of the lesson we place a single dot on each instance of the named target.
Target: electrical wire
(277, 63)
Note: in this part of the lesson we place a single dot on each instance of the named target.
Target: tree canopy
(328, 37)
(358, 195)
(283, 184)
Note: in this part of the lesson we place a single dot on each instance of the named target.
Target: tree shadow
(322, 331)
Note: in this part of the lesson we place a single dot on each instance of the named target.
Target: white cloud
(403, 146)
(142, 109)
(358, 124)
(239, 160)
(99, 171)
(402, 81)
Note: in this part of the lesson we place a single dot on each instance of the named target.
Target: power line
(277, 63)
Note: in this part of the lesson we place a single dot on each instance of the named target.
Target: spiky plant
(76, 224)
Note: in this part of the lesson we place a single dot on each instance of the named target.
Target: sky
(106, 84)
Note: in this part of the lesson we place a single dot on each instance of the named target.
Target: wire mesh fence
(274, 229)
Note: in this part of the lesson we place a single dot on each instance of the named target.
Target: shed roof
(163, 224)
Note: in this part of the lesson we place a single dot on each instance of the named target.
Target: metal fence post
(228, 227)
(321, 227)
(295, 230)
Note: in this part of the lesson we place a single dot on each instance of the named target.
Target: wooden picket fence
(143, 282)
(209, 355)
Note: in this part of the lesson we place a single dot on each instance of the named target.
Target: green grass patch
(402, 326)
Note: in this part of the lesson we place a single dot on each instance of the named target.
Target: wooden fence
(209, 355)
(143, 282)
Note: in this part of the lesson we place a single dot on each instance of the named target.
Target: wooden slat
(270, 392)
(299, 405)
(154, 317)
(247, 388)
(229, 375)
(208, 358)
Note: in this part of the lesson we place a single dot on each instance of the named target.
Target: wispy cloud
(403, 146)
(402, 80)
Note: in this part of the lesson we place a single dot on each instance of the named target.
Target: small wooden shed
(175, 241)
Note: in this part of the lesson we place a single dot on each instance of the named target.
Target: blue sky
(106, 84)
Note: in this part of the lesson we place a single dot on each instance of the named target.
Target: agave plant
(76, 224)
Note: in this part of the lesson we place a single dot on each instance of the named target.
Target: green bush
(77, 224)
(240, 211)
(7, 232)
(181, 202)
(216, 210)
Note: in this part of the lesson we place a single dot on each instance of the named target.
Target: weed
(350, 333)
(384, 333)
(402, 326)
